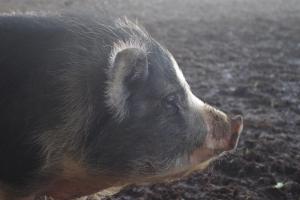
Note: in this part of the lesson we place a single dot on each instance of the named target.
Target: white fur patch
(194, 101)
(138, 39)
(122, 45)
(179, 73)
(115, 92)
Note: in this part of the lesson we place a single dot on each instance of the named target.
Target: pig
(88, 103)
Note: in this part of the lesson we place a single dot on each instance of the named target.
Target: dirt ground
(242, 56)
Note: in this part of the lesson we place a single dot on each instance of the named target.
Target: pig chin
(222, 136)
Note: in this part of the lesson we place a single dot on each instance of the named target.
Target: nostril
(237, 124)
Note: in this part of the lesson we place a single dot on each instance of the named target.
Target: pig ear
(129, 68)
(131, 65)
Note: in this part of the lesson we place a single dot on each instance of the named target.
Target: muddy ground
(242, 56)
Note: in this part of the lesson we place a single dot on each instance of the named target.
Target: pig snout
(222, 135)
(222, 131)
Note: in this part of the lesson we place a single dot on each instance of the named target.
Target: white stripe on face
(193, 100)
(179, 73)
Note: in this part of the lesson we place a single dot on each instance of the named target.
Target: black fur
(53, 83)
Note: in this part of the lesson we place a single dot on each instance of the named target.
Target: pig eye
(171, 103)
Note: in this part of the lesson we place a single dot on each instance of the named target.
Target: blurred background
(242, 56)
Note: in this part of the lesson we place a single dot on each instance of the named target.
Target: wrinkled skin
(102, 105)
